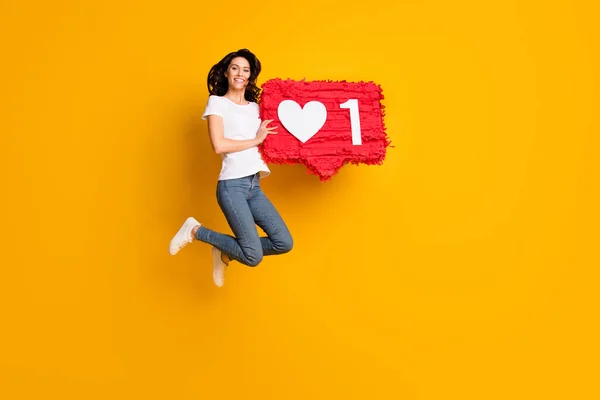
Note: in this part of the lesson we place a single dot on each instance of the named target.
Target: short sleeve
(213, 107)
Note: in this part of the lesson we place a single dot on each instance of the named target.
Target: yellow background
(465, 267)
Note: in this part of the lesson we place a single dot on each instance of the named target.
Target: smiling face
(238, 73)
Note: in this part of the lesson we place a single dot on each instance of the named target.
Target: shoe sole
(216, 257)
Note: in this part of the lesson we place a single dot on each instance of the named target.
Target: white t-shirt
(240, 122)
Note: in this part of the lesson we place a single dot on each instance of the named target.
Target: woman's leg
(278, 240)
(245, 247)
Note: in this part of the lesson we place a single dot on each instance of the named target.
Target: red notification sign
(324, 124)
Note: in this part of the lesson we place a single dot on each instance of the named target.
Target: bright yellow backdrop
(465, 267)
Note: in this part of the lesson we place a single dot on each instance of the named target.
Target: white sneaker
(184, 236)
(218, 267)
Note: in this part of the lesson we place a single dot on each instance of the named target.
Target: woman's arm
(222, 145)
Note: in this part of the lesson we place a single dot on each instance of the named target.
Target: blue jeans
(245, 206)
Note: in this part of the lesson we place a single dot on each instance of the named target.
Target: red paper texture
(331, 148)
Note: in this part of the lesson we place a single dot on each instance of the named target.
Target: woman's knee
(285, 245)
(253, 257)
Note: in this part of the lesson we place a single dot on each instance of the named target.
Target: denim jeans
(245, 206)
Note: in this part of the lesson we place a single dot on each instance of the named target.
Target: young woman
(235, 131)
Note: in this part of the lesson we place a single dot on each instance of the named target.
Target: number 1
(352, 104)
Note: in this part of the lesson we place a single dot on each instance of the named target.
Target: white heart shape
(303, 123)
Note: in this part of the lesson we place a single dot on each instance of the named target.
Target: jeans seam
(238, 220)
(272, 227)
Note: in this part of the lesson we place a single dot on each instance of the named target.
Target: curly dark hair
(217, 82)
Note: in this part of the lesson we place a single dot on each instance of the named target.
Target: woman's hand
(263, 131)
